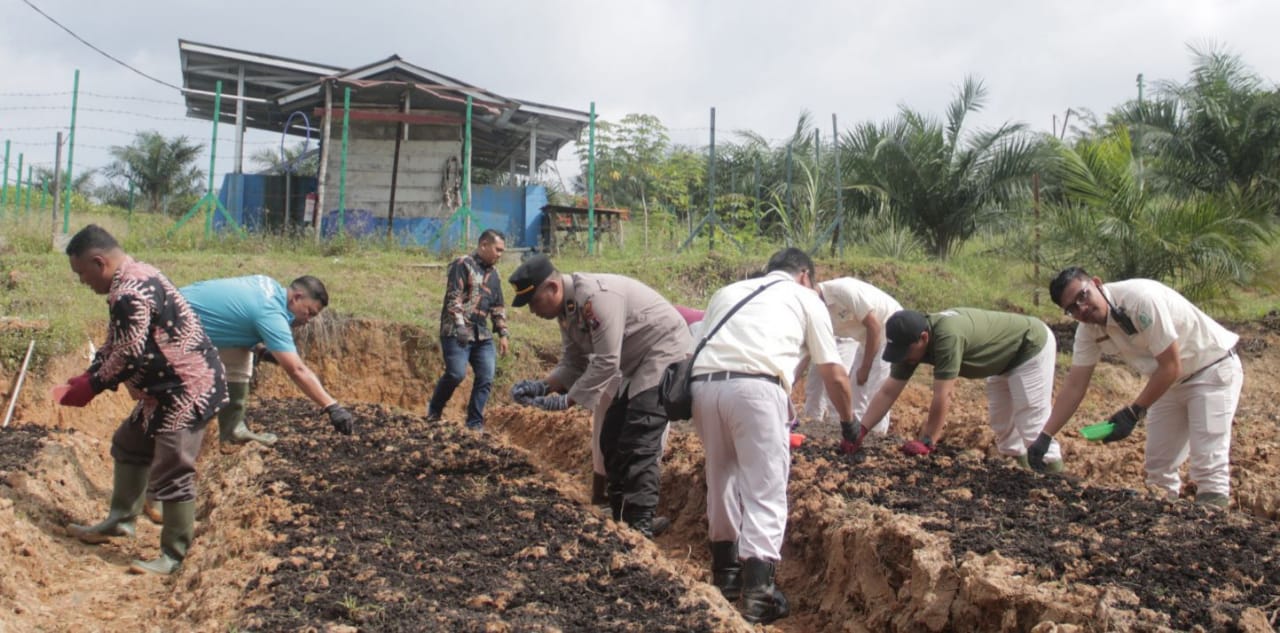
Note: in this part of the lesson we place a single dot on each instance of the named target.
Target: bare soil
(408, 526)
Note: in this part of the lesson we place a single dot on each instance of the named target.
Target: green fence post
(17, 189)
(4, 183)
(591, 181)
(466, 176)
(342, 176)
(26, 209)
(213, 153)
(71, 150)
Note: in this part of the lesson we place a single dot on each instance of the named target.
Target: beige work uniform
(611, 325)
(1193, 418)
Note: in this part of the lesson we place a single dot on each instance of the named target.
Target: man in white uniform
(858, 312)
(1193, 377)
(742, 379)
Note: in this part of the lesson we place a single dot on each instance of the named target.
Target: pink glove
(691, 315)
(79, 392)
(916, 448)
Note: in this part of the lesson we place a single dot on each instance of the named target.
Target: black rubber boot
(599, 484)
(762, 602)
(175, 539)
(127, 491)
(232, 431)
(640, 519)
(726, 569)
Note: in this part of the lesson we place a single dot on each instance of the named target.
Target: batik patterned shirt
(473, 294)
(157, 348)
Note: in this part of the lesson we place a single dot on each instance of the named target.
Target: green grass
(381, 281)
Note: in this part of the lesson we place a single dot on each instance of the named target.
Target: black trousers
(631, 441)
(171, 456)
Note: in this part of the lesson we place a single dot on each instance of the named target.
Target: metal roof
(276, 86)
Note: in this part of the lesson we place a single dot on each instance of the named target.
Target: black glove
(1035, 452)
(463, 333)
(341, 419)
(1124, 420)
(852, 434)
(553, 402)
(262, 355)
(526, 390)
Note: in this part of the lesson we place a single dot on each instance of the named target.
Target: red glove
(851, 439)
(79, 393)
(796, 440)
(916, 448)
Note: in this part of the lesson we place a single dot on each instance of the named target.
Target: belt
(734, 375)
(1197, 372)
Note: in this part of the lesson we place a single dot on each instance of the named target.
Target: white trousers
(597, 421)
(1019, 402)
(743, 426)
(1193, 419)
(239, 363)
(817, 405)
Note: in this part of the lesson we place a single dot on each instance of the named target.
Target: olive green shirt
(972, 343)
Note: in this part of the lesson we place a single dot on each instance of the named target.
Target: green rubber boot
(1213, 499)
(232, 431)
(175, 539)
(127, 491)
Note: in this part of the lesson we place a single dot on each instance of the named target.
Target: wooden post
(323, 173)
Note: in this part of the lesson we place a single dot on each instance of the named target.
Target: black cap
(528, 276)
(901, 331)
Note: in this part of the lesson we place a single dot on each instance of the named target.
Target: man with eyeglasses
(1014, 353)
(1193, 377)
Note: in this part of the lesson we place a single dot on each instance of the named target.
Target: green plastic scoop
(1097, 432)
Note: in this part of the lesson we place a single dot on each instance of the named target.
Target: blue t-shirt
(243, 311)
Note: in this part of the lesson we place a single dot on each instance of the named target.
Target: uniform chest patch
(589, 319)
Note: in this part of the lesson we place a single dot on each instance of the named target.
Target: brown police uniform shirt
(611, 324)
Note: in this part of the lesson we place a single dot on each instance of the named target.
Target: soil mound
(415, 527)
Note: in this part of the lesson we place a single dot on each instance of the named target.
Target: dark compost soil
(1198, 566)
(413, 527)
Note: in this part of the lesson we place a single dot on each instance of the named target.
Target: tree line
(1180, 185)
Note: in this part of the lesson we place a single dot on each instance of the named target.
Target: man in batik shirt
(472, 297)
(157, 348)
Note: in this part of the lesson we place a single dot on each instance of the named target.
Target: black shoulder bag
(675, 392)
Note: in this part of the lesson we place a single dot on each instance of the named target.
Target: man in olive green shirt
(1013, 352)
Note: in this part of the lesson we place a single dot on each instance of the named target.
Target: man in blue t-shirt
(240, 312)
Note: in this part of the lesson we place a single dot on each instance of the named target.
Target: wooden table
(562, 226)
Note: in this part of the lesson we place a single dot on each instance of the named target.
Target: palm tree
(158, 167)
(1114, 219)
(82, 183)
(938, 178)
(271, 160)
(1220, 128)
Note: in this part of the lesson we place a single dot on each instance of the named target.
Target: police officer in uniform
(609, 325)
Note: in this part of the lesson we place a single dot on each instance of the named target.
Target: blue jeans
(483, 358)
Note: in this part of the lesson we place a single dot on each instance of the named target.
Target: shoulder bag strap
(729, 314)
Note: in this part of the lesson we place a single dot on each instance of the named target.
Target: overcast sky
(760, 63)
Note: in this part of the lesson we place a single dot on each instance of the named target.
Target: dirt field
(408, 527)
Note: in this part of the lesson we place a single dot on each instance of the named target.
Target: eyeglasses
(1081, 299)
